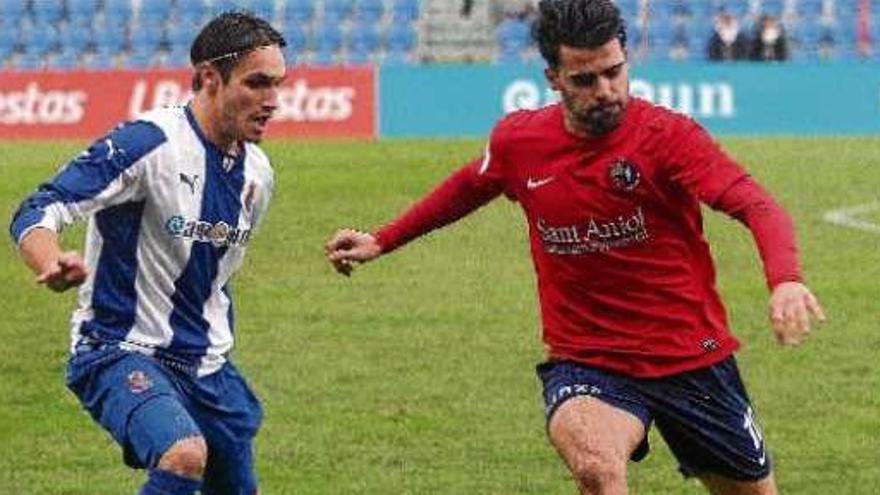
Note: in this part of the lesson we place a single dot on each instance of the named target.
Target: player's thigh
(719, 485)
(585, 427)
(134, 399)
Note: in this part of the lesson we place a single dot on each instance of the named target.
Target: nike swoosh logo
(763, 459)
(534, 184)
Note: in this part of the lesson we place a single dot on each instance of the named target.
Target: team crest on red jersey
(625, 175)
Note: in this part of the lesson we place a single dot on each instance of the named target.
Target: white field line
(849, 217)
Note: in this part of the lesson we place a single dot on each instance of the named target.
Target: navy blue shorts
(147, 405)
(703, 415)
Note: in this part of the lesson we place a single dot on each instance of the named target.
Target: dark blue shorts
(148, 404)
(703, 415)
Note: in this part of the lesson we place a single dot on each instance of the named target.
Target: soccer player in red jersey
(636, 332)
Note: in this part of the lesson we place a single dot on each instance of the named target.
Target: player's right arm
(107, 174)
(467, 189)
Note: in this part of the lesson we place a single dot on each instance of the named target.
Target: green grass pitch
(416, 376)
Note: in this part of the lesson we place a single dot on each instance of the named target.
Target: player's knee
(599, 469)
(187, 458)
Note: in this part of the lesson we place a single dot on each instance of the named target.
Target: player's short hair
(576, 23)
(226, 38)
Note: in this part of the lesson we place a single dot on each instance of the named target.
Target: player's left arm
(701, 167)
(792, 304)
(107, 174)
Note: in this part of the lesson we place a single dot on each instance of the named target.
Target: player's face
(250, 97)
(594, 86)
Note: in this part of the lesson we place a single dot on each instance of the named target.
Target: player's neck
(209, 122)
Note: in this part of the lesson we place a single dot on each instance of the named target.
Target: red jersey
(625, 277)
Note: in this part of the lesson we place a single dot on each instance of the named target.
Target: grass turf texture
(416, 375)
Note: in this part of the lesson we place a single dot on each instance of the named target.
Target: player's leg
(134, 399)
(230, 415)
(707, 420)
(594, 424)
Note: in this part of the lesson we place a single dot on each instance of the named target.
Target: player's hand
(69, 271)
(792, 307)
(349, 246)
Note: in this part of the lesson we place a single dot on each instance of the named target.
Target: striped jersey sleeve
(108, 173)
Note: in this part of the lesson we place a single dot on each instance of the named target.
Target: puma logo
(190, 180)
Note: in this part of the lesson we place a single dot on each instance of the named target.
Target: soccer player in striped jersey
(172, 200)
(634, 326)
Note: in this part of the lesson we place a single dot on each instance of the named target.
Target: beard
(597, 120)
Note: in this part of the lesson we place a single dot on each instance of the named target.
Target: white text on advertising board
(297, 102)
(703, 99)
(34, 106)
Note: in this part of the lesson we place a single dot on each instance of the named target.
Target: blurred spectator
(467, 6)
(826, 46)
(727, 41)
(769, 43)
(679, 49)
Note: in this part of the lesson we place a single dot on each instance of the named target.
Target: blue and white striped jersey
(169, 218)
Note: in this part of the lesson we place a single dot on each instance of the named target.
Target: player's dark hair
(226, 38)
(576, 23)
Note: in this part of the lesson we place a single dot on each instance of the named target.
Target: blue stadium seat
(405, 10)
(64, 61)
(401, 38)
(75, 39)
(30, 61)
(48, 11)
(8, 41)
(809, 9)
(178, 56)
(12, 11)
(146, 38)
(264, 8)
(180, 35)
(81, 9)
(296, 37)
(370, 10)
(227, 5)
(155, 11)
(328, 37)
(773, 7)
(702, 12)
(100, 62)
(359, 56)
(630, 8)
(110, 39)
(139, 60)
(39, 39)
(118, 11)
(363, 37)
(337, 10)
(739, 8)
(192, 12)
(324, 56)
(299, 11)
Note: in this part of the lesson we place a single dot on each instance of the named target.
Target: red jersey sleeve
(771, 227)
(698, 164)
(467, 189)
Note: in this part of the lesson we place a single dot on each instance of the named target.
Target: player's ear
(552, 76)
(210, 76)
